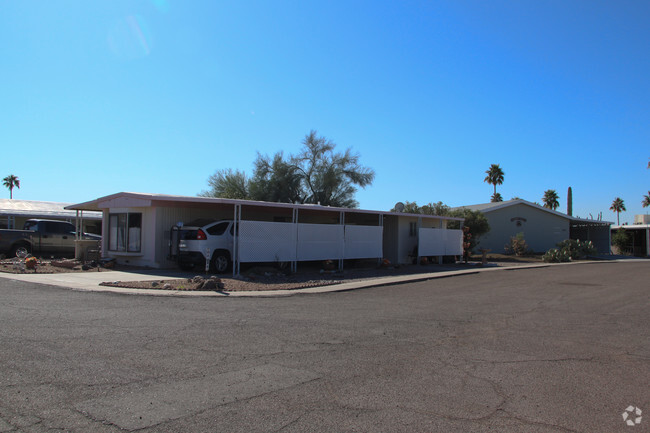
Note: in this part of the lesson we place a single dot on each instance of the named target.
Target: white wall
(440, 242)
(268, 241)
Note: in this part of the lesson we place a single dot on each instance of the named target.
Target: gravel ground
(260, 278)
(17, 266)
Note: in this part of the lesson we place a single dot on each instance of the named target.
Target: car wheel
(20, 250)
(220, 263)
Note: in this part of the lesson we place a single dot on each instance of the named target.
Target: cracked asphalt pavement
(556, 349)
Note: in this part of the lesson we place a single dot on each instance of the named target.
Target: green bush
(517, 245)
(568, 250)
(556, 256)
(578, 249)
(620, 240)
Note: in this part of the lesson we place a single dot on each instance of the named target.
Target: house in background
(543, 228)
(138, 229)
(14, 213)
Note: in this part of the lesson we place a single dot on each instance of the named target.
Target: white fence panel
(363, 242)
(320, 241)
(440, 242)
(454, 243)
(431, 242)
(261, 241)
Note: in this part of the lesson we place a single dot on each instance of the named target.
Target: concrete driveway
(556, 349)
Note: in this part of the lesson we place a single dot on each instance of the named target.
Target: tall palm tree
(494, 176)
(551, 199)
(10, 182)
(618, 206)
(646, 200)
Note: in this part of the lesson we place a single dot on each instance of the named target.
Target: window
(218, 229)
(124, 232)
(413, 229)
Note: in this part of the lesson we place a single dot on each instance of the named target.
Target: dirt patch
(269, 278)
(226, 284)
(257, 278)
(54, 266)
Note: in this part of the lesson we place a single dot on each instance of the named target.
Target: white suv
(199, 243)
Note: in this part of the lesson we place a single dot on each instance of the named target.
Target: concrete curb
(89, 281)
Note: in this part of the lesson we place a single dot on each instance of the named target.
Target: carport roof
(41, 209)
(489, 207)
(148, 199)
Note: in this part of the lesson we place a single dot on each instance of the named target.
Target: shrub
(475, 220)
(517, 245)
(620, 240)
(568, 250)
(577, 249)
(556, 256)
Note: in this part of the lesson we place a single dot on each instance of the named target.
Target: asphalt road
(558, 349)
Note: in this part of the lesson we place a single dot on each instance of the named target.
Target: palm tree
(496, 197)
(646, 200)
(10, 182)
(494, 176)
(618, 206)
(551, 199)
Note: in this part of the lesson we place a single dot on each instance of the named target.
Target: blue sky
(156, 95)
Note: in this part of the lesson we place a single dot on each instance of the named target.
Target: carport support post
(443, 226)
(294, 263)
(462, 241)
(381, 224)
(342, 222)
(417, 231)
(235, 241)
(78, 227)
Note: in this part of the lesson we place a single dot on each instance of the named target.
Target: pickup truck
(39, 237)
(201, 241)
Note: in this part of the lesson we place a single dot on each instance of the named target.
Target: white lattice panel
(431, 242)
(454, 243)
(363, 242)
(261, 241)
(320, 241)
(440, 242)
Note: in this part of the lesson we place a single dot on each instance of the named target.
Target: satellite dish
(399, 206)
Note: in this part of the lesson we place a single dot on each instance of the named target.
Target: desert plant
(517, 245)
(620, 240)
(577, 249)
(555, 255)
(568, 250)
